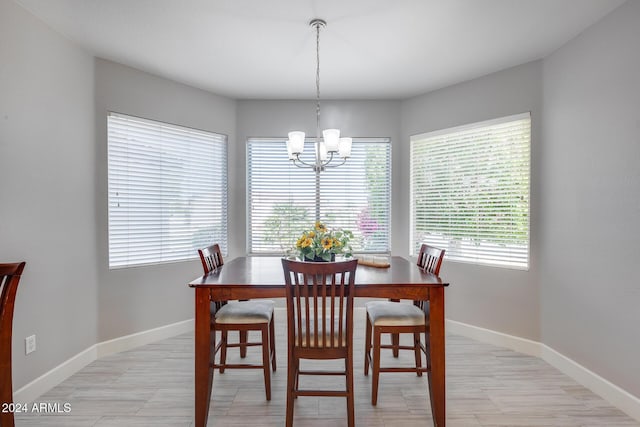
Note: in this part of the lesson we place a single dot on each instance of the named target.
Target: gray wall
(590, 236)
(136, 299)
(494, 298)
(277, 118)
(47, 182)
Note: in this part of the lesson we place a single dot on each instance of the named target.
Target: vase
(319, 259)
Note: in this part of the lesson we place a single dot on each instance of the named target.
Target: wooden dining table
(262, 277)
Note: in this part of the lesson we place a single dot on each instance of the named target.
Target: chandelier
(331, 147)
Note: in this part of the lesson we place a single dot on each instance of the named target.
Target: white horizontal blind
(282, 200)
(470, 191)
(167, 191)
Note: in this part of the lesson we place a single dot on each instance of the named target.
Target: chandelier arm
(326, 162)
(301, 163)
(327, 165)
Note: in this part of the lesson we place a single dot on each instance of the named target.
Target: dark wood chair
(241, 316)
(396, 318)
(429, 259)
(319, 325)
(211, 258)
(9, 278)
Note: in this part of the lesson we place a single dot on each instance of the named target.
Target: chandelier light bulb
(323, 151)
(331, 139)
(296, 142)
(344, 147)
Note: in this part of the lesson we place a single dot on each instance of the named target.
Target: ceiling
(370, 49)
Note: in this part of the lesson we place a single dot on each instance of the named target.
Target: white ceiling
(370, 49)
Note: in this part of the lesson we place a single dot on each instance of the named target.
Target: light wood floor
(486, 386)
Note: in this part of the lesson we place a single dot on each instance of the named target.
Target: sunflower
(327, 243)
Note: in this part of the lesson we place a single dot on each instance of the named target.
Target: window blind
(470, 191)
(282, 199)
(167, 191)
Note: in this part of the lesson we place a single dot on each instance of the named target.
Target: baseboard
(615, 395)
(521, 345)
(45, 382)
(128, 342)
(610, 392)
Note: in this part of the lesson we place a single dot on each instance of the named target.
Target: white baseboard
(45, 382)
(610, 392)
(522, 345)
(128, 342)
(615, 395)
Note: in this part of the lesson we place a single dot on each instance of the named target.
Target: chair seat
(387, 313)
(255, 311)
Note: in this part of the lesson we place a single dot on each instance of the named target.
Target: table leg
(437, 354)
(204, 340)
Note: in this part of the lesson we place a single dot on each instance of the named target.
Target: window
(282, 197)
(470, 191)
(167, 191)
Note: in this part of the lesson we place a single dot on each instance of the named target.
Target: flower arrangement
(322, 244)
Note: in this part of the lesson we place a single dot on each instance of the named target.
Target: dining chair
(9, 278)
(427, 256)
(319, 325)
(211, 258)
(394, 317)
(241, 316)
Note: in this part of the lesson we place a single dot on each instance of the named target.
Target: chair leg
(418, 352)
(265, 361)
(297, 377)
(6, 387)
(367, 346)
(291, 380)
(395, 338)
(395, 341)
(350, 392)
(223, 350)
(243, 335)
(376, 366)
(272, 343)
(426, 345)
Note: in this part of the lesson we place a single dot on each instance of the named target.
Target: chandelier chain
(318, 82)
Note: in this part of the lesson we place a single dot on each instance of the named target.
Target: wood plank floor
(486, 386)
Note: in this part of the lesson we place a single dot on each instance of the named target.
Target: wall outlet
(30, 344)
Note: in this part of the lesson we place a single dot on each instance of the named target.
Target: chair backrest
(9, 278)
(430, 258)
(211, 258)
(320, 303)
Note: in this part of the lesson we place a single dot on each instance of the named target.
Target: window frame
(150, 143)
(280, 153)
(457, 252)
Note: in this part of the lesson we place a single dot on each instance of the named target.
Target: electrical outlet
(30, 344)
